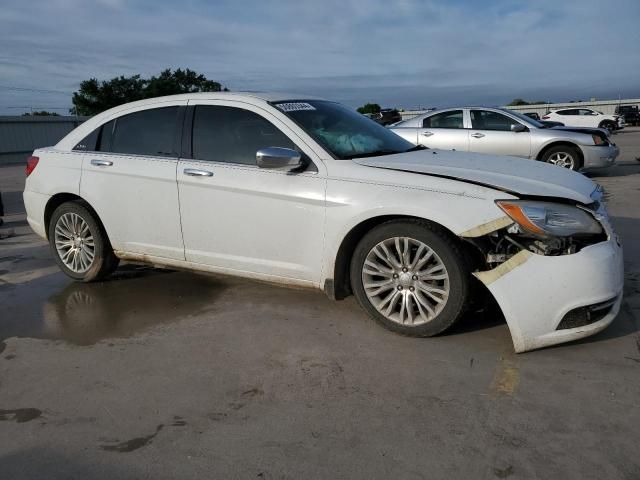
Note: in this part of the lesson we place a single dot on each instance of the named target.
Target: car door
(570, 117)
(444, 130)
(491, 132)
(130, 180)
(588, 118)
(238, 217)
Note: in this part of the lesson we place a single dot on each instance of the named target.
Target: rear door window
(149, 132)
(488, 120)
(233, 135)
(450, 119)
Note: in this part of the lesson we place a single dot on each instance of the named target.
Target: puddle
(133, 299)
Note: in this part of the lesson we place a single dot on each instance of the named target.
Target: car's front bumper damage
(599, 156)
(536, 292)
(553, 299)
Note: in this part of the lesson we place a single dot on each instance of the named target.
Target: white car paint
(582, 117)
(288, 228)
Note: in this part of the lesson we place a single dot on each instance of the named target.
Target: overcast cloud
(395, 52)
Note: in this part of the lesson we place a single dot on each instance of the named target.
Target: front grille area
(581, 316)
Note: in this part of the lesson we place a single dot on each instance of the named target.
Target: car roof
(266, 96)
(249, 97)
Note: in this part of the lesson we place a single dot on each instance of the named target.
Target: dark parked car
(631, 114)
(550, 124)
(387, 116)
(546, 123)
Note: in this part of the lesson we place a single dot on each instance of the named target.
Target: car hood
(510, 174)
(586, 130)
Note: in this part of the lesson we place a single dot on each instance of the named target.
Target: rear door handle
(427, 134)
(194, 172)
(101, 163)
(477, 135)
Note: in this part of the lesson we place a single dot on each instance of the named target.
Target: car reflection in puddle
(134, 299)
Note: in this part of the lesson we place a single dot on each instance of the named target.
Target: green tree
(41, 113)
(517, 101)
(96, 96)
(369, 108)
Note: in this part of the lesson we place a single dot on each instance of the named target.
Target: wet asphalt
(166, 374)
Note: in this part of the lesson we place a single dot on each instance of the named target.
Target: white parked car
(585, 117)
(307, 192)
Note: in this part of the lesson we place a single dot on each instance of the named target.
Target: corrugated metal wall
(19, 136)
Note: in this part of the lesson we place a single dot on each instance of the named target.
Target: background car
(585, 117)
(630, 113)
(505, 132)
(533, 115)
(387, 116)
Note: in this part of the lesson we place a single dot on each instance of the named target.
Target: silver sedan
(504, 132)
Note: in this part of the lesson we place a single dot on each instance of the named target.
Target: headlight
(546, 219)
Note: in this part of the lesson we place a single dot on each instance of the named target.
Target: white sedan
(302, 191)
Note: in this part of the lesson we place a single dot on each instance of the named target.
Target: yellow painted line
(506, 378)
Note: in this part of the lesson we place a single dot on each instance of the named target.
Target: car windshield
(527, 119)
(345, 133)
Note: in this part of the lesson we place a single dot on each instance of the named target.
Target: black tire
(609, 125)
(445, 247)
(104, 261)
(573, 152)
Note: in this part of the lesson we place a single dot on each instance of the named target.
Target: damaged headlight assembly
(544, 228)
(547, 219)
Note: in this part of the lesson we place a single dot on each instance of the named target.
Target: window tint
(586, 112)
(234, 135)
(150, 132)
(452, 119)
(90, 142)
(568, 112)
(487, 120)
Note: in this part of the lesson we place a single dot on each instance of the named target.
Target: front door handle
(101, 163)
(477, 135)
(194, 172)
(427, 134)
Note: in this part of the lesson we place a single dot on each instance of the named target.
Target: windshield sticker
(295, 106)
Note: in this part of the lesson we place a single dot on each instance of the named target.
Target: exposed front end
(550, 297)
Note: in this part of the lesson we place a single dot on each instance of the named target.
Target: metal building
(19, 136)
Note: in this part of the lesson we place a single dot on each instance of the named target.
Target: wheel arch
(64, 197)
(337, 285)
(561, 143)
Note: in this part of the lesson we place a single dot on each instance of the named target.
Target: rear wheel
(79, 244)
(411, 277)
(563, 156)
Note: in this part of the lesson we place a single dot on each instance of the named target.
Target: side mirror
(518, 127)
(278, 158)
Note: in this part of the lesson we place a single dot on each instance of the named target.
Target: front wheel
(610, 126)
(411, 277)
(79, 244)
(563, 156)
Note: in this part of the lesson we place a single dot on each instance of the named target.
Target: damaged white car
(307, 192)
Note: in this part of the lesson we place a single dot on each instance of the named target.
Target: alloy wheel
(405, 280)
(74, 242)
(562, 159)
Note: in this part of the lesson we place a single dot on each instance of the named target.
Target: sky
(398, 53)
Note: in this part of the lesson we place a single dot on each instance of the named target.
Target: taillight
(545, 117)
(32, 162)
